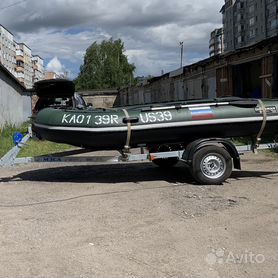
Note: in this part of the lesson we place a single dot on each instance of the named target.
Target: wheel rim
(213, 166)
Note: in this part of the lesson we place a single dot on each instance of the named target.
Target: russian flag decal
(201, 113)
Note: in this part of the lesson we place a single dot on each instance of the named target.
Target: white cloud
(49, 43)
(55, 65)
(150, 30)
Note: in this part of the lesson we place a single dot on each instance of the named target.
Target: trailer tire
(211, 165)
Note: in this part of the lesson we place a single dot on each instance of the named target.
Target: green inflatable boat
(173, 123)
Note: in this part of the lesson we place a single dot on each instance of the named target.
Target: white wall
(15, 105)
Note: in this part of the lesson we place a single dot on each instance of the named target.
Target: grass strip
(33, 147)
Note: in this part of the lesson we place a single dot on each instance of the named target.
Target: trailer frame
(219, 153)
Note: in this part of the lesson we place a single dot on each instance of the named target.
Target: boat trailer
(209, 160)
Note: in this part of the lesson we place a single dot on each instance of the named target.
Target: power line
(12, 5)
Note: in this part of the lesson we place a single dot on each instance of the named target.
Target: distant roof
(22, 43)
(11, 76)
(37, 56)
(6, 29)
(98, 92)
(182, 70)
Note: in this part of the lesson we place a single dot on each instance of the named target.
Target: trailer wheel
(211, 165)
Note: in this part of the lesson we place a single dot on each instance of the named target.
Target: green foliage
(37, 148)
(6, 136)
(105, 66)
(248, 140)
(33, 148)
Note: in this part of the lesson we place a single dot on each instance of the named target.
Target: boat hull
(116, 140)
(108, 129)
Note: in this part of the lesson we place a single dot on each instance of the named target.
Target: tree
(105, 66)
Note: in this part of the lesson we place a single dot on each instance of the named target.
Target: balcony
(19, 58)
(19, 52)
(19, 69)
(20, 75)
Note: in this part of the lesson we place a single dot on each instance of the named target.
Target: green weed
(32, 148)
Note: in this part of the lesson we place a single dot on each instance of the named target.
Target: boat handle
(244, 103)
(131, 120)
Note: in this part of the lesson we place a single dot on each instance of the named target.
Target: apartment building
(38, 68)
(53, 75)
(7, 49)
(18, 59)
(246, 22)
(216, 43)
(24, 66)
(272, 18)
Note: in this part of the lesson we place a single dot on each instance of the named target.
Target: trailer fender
(200, 143)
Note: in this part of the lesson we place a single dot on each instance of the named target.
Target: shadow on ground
(111, 173)
(135, 172)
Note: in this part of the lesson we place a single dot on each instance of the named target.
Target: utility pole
(181, 46)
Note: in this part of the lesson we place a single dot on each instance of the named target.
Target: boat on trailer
(195, 132)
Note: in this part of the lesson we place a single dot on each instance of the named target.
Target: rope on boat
(258, 139)
(127, 146)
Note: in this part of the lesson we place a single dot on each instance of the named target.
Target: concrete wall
(195, 83)
(15, 105)
(100, 98)
(100, 101)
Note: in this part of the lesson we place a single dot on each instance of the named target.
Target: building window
(273, 23)
(252, 33)
(20, 63)
(239, 17)
(251, 21)
(240, 28)
(240, 5)
(251, 9)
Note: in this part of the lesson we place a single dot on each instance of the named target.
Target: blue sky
(61, 30)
